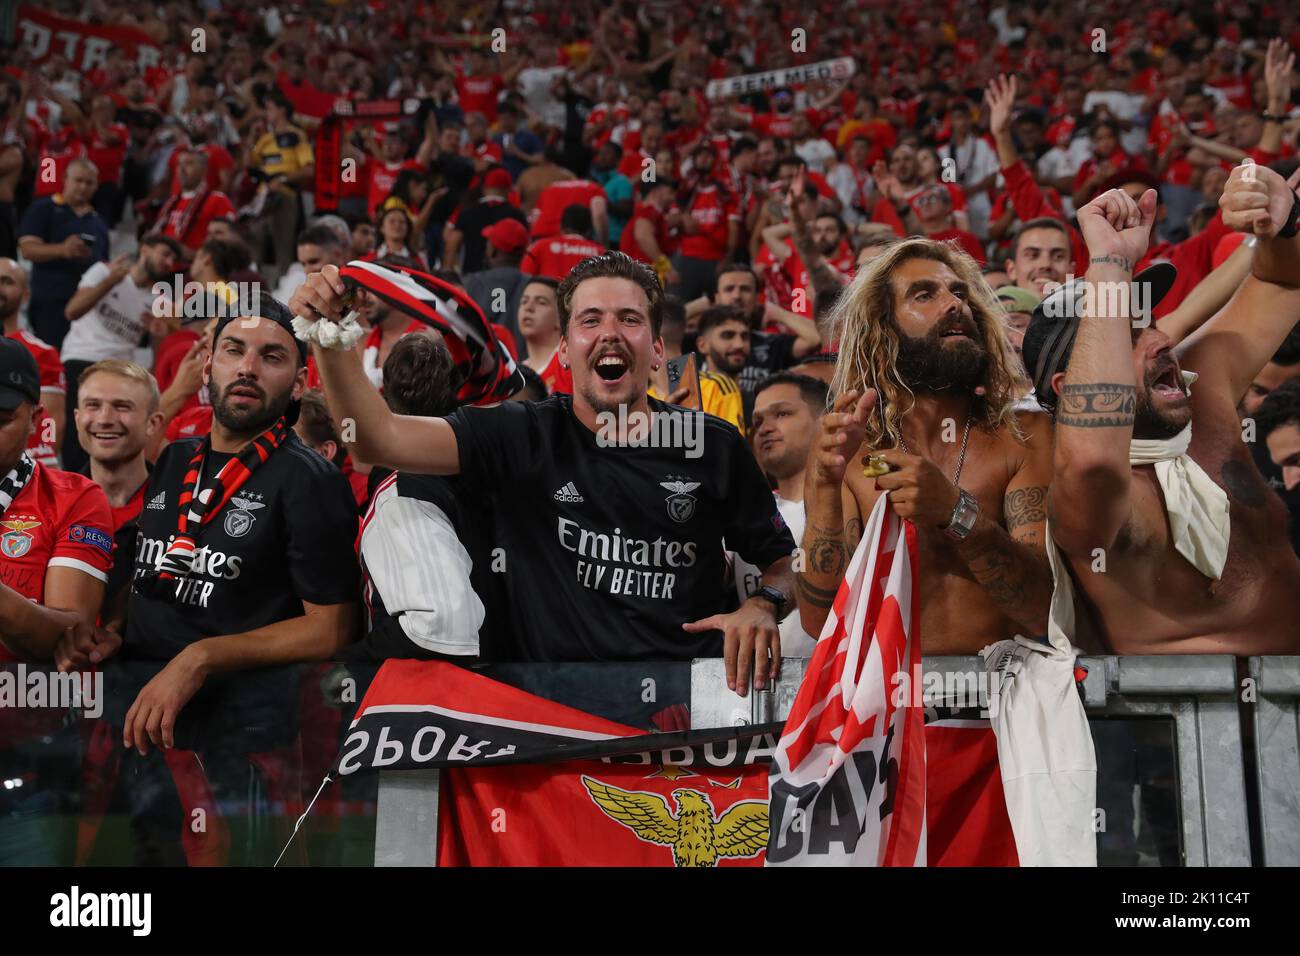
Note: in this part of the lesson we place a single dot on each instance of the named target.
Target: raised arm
(1229, 350)
(402, 442)
(1279, 64)
(1209, 296)
(1089, 500)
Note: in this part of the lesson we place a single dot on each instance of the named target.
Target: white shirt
(795, 641)
(115, 326)
(816, 152)
(535, 85)
(416, 563)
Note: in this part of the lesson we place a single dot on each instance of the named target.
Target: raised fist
(1258, 200)
(1114, 224)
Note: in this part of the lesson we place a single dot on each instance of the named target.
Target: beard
(1157, 424)
(931, 364)
(249, 419)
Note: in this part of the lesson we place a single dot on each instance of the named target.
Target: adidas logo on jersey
(569, 493)
(157, 502)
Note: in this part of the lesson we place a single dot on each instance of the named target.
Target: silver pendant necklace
(961, 455)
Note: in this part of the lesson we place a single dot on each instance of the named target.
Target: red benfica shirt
(195, 421)
(478, 94)
(712, 209)
(62, 148)
(627, 242)
(556, 376)
(797, 277)
(59, 519)
(52, 380)
(556, 198)
(382, 177)
(555, 256)
(216, 204)
(106, 148)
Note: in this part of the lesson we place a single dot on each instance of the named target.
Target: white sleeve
(93, 276)
(421, 571)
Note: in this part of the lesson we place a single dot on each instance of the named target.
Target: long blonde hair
(864, 323)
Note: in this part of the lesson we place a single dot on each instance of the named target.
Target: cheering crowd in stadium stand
(186, 490)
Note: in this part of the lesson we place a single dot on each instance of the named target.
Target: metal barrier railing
(1277, 756)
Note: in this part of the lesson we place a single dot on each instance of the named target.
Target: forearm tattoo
(1097, 405)
(1120, 261)
(1023, 506)
(828, 555)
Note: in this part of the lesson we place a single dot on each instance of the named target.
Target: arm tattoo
(997, 572)
(813, 596)
(1120, 261)
(827, 555)
(1097, 405)
(1023, 506)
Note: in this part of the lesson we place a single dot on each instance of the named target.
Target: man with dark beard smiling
(244, 565)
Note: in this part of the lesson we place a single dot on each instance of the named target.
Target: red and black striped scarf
(188, 216)
(196, 509)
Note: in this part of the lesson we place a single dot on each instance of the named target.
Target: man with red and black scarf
(244, 565)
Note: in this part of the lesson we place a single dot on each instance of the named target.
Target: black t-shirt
(473, 219)
(609, 550)
(287, 536)
(768, 353)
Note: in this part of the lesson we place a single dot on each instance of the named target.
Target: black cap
(20, 380)
(1049, 337)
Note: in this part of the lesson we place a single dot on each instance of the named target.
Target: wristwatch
(769, 593)
(964, 515)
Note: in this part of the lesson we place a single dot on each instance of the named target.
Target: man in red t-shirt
(56, 542)
(47, 438)
(559, 196)
(185, 216)
(554, 256)
(645, 237)
(710, 227)
(106, 144)
(934, 209)
(383, 167)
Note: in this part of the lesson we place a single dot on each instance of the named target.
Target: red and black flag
(487, 371)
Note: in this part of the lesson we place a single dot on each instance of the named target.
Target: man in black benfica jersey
(612, 525)
(245, 557)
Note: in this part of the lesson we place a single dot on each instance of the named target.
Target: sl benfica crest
(240, 521)
(681, 503)
(696, 833)
(17, 541)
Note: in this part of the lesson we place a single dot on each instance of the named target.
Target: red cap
(508, 235)
(497, 178)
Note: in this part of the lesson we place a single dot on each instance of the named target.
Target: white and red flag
(848, 777)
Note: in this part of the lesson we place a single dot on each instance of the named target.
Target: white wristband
(340, 336)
